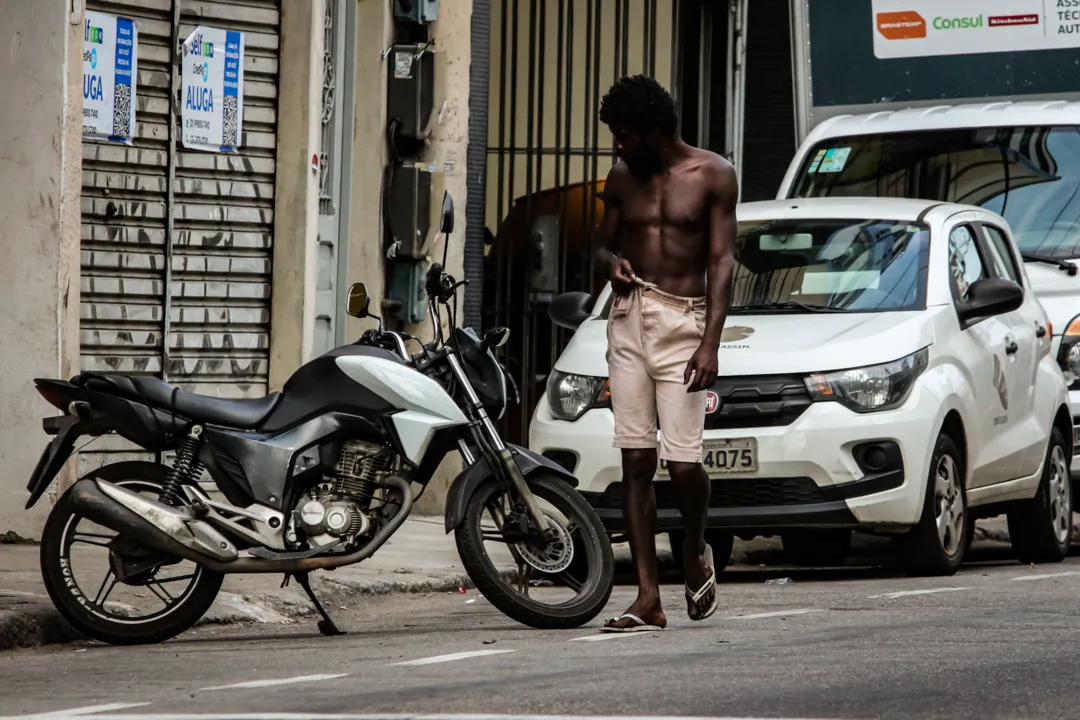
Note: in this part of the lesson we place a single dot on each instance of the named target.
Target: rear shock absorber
(186, 468)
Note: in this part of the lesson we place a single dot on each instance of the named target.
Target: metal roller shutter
(176, 274)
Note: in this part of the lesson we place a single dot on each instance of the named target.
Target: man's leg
(692, 495)
(639, 512)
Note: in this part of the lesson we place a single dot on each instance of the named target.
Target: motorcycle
(318, 476)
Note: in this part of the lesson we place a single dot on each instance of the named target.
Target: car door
(981, 348)
(1029, 431)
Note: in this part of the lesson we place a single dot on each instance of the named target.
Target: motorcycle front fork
(503, 457)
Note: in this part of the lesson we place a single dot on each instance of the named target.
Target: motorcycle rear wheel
(591, 569)
(95, 619)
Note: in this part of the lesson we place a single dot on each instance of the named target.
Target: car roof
(843, 208)
(945, 117)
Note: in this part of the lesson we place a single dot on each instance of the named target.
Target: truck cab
(1018, 159)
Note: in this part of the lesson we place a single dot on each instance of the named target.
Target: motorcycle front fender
(465, 484)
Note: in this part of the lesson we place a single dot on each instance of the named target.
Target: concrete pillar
(41, 177)
(296, 204)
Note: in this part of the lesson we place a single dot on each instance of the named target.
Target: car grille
(758, 401)
(732, 493)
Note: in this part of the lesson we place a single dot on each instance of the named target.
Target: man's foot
(643, 613)
(702, 599)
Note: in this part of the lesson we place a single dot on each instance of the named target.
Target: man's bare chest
(669, 202)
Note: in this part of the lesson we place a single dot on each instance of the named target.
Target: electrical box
(409, 210)
(406, 299)
(416, 11)
(410, 89)
(544, 257)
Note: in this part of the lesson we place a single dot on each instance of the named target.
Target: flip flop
(641, 625)
(693, 599)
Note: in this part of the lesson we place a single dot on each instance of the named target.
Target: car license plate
(721, 457)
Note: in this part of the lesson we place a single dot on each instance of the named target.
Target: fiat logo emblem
(712, 402)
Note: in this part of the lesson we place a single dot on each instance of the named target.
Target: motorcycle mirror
(496, 337)
(359, 302)
(447, 224)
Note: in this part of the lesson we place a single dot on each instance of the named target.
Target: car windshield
(829, 266)
(1030, 175)
(810, 266)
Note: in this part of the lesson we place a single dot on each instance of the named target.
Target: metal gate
(177, 245)
(551, 63)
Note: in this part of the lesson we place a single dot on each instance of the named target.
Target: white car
(879, 370)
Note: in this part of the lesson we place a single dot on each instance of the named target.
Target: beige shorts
(651, 337)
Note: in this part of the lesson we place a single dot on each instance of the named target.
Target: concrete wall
(41, 177)
(296, 204)
(446, 148)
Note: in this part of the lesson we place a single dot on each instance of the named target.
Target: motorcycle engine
(339, 509)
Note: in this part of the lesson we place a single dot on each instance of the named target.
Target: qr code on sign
(229, 135)
(121, 109)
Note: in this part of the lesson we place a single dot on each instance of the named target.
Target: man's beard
(643, 162)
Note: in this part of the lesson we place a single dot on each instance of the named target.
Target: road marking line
(611, 636)
(906, 593)
(1022, 578)
(79, 711)
(275, 681)
(778, 613)
(452, 657)
(316, 716)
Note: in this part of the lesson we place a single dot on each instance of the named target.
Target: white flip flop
(641, 625)
(693, 598)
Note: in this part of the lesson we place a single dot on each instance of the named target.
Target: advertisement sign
(110, 58)
(927, 28)
(212, 89)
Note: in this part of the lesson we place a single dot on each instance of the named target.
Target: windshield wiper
(1060, 264)
(788, 305)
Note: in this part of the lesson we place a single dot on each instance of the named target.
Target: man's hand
(704, 367)
(622, 276)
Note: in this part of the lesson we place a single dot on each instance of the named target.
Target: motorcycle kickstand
(326, 625)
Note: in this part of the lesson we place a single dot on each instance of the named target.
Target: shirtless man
(668, 230)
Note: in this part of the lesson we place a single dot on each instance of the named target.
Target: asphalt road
(998, 640)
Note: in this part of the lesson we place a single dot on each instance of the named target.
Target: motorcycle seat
(239, 414)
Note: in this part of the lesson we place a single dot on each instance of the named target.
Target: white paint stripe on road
(611, 636)
(313, 716)
(778, 613)
(452, 657)
(93, 710)
(1043, 577)
(275, 681)
(907, 593)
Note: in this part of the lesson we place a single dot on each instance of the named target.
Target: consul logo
(712, 402)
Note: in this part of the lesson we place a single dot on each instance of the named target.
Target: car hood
(1057, 291)
(783, 343)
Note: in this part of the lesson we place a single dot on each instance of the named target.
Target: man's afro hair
(640, 105)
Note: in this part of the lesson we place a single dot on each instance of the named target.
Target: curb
(33, 624)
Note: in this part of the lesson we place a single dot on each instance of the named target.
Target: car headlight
(1069, 354)
(873, 388)
(569, 395)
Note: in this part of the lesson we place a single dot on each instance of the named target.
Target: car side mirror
(446, 225)
(989, 297)
(569, 310)
(359, 301)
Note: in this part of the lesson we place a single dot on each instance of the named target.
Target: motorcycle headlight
(873, 388)
(569, 395)
(1069, 354)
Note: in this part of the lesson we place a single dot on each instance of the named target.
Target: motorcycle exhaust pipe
(174, 531)
(162, 527)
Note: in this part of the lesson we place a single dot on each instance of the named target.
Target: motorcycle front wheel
(561, 584)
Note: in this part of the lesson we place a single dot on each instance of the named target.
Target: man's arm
(608, 262)
(724, 194)
(723, 186)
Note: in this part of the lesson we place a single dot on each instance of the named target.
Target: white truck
(978, 105)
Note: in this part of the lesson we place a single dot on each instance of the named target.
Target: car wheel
(816, 548)
(937, 545)
(720, 541)
(1040, 528)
